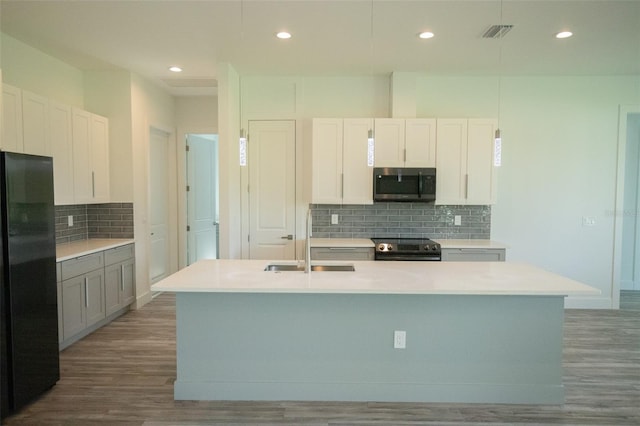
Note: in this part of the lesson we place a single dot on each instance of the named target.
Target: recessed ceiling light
(283, 35)
(564, 34)
(175, 69)
(426, 34)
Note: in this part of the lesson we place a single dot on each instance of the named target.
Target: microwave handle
(420, 185)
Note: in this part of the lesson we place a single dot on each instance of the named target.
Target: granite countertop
(83, 247)
(371, 277)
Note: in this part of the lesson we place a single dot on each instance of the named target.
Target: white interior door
(159, 204)
(202, 197)
(272, 189)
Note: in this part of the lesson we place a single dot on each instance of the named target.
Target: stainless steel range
(420, 249)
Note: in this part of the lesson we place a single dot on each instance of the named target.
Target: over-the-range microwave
(404, 184)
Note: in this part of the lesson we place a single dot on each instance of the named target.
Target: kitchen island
(475, 332)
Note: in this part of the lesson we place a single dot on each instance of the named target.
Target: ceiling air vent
(497, 31)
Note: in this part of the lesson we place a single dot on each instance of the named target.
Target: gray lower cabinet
(119, 278)
(473, 254)
(342, 253)
(82, 293)
(92, 288)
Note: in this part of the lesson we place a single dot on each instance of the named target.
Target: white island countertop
(371, 277)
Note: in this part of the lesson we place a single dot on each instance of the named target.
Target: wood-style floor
(123, 375)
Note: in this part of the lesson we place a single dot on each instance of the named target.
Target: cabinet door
(473, 255)
(389, 142)
(94, 300)
(420, 142)
(357, 175)
(73, 306)
(112, 285)
(451, 161)
(82, 184)
(60, 134)
(100, 159)
(480, 169)
(128, 285)
(35, 124)
(326, 160)
(11, 119)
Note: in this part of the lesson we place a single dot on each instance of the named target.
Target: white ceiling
(348, 37)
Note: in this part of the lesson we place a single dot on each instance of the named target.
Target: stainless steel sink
(314, 268)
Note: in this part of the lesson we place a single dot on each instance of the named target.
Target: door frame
(616, 277)
(181, 179)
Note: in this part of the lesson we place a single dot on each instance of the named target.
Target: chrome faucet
(307, 254)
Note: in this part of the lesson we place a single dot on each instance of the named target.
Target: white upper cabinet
(25, 122)
(60, 135)
(389, 142)
(358, 175)
(340, 173)
(464, 163)
(326, 166)
(100, 158)
(11, 119)
(420, 142)
(35, 124)
(90, 157)
(405, 142)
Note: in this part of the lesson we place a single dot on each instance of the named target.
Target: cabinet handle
(86, 292)
(93, 184)
(121, 277)
(466, 186)
(342, 185)
(405, 155)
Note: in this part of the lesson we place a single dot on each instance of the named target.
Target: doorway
(272, 189)
(630, 255)
(202, 197)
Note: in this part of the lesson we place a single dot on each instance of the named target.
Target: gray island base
(264, 340)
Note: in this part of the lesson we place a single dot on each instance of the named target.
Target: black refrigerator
(28, 300)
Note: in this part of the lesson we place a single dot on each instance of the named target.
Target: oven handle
(411, 258)
(420, 189)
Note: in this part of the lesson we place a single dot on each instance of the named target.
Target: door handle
(287, 237)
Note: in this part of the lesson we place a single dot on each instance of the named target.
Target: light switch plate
(399, 339)
(457, 220)
(70, 220)
(334, 219)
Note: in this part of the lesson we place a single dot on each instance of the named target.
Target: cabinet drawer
(473, 255)
(118, 254)
(81, 265)
(342, 253)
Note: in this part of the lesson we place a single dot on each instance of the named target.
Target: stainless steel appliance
(404, 184)
(28, 295)
(417, 249)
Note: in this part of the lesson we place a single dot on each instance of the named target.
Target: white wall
(151, 107)
(33, 70)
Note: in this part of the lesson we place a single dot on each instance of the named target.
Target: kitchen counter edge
(74, 249)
